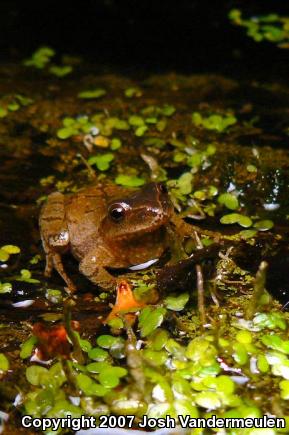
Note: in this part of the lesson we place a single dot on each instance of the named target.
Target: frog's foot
(93, 267)
(125, 301)
(58, 265)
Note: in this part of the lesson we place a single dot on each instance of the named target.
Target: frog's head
(141, 212)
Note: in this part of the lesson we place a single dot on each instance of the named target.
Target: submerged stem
(259, 287)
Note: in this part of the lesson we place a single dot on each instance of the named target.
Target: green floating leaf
(276, 343)
(11, 249)
(244, 337)
(176, 303)
(158, 339)
(136, 121)
(228, 200)
(214, 122)
(98, 354)
(185, 183)
(92, 94)
(3, 112)
(60, 70)
(37, 375)
(264, 225)
(66, 132)
(270, 320)
(40, 58)
(4, 363)
(155, 358)
(133, 92)
(129, 180)
(84, 344)
(208, 400)
(240, 354)
(5, 287)
(109, 377)
(251, 168)
(106, 341)
(140, 131)
(89, 387)
(54, 295)
(150, 319)
(13, 107)
(4, 256)
(27, 347)
(115, 143)
(247, 234)
(284, 386)
(168, 110)
(234, 218)
(102, 161)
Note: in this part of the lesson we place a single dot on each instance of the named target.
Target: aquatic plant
(272, 27)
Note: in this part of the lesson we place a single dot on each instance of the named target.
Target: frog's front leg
(55, 236)
(93, 267)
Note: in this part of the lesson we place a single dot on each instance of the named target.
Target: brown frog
(105, 227)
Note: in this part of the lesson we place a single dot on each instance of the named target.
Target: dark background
(148, 36)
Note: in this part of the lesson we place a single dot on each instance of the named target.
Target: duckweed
(176, 303)
(4, 363)
(149, 319)
(61, 70)
(40, 58)
(5, 287)
(129, 180)
(27, 347)
(92, 94)
(271, 27)
(264, 225)
(236, 218)
(229, 200)
(101, 161)
(215, 122)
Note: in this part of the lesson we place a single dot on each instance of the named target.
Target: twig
(77, 351)
(259, 287)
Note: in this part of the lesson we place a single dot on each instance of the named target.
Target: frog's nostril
(163, 188)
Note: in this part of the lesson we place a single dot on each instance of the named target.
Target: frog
(105, 228)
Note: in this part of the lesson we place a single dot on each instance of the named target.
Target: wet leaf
(150, 319)
(97, 354)
(229, 200)
(4, 363)
(106, 341)
(176, 303)
(234, 218)
(4, 256)
(60, 70)
(92, 93)
(27, 347)
(264, 225)
(102, 161)
(129, 181)
(89, 387)
(11, 249)
(37, 375)
(208, 400)
(5, 287)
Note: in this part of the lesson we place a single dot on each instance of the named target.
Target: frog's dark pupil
(163, 188)
(117, 214)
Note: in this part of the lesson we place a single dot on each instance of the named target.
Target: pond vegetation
(223, 154)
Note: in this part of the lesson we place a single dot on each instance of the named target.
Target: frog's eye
(117, 213)
(163, 188)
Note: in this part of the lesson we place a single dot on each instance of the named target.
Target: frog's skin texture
(105, 227)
